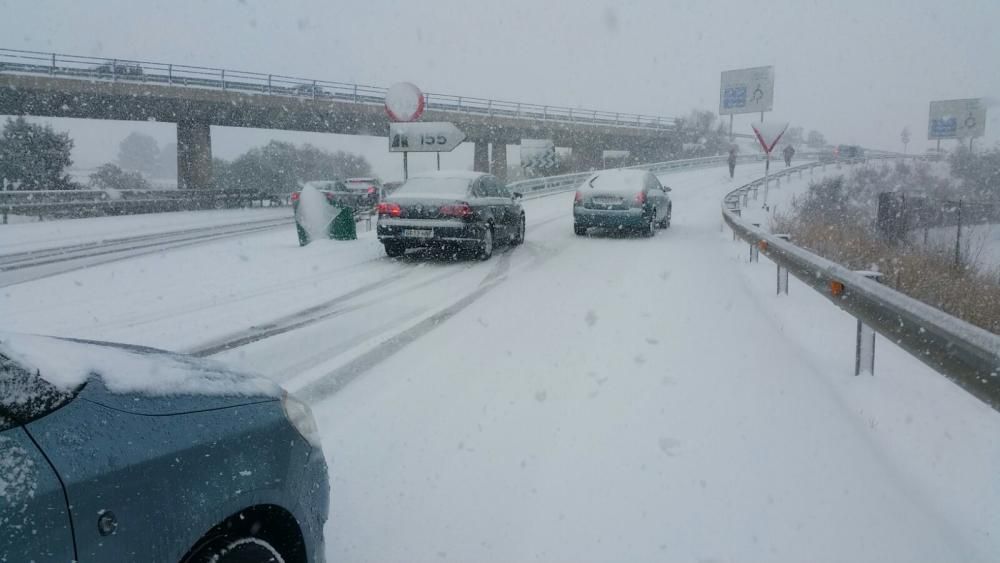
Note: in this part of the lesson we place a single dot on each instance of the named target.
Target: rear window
(611, 182)
(359, 184)
(435, 186)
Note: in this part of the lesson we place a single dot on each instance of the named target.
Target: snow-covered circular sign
(404, 102)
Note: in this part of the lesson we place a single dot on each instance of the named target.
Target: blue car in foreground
(131, 454)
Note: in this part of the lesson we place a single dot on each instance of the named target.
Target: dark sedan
(124, 453)
(465, 210)
(622, 199)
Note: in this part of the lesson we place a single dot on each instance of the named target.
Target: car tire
(486, 245)
(518, 237)
(394, 249)
(650, 229)
(579, 230)
(239, 550)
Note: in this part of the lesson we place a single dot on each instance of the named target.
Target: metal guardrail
(81, 203)
(965, 354)
(538, 187)
(130, 70)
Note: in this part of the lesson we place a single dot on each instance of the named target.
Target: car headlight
(301, 418)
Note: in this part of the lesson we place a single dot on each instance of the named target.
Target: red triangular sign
(769, 133)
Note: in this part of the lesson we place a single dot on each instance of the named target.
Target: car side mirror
(667, 189)
(518, 195)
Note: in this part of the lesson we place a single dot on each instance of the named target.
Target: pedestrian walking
(789, 152)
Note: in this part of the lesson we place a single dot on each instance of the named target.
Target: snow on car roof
(67, 364)
(456, 174)
(617, 179)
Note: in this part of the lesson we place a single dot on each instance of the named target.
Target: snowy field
(595, 398)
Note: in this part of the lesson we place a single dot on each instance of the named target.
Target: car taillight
(461, 210)
(390, 209)
(329, 196)
(578, 199)
(295, 196)
(640, 198)
(371, 191)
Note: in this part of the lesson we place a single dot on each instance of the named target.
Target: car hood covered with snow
(132, 378)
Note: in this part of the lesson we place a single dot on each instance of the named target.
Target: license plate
(418, 233)
(607, 200)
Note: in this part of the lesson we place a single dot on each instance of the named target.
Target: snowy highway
(596, 398)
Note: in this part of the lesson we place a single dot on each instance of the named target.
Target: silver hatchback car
(622, 199)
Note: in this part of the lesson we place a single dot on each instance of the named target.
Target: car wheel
(394, 249)
(518, 238)
(486, 245)
(242, 550)
(666, 222)
(579, 230)
(650, 228)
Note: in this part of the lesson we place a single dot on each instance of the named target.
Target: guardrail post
(545, 111)
(489, 107)
(571, 114)
(52, 70)
(746, 198)
(783, 272)
(222, 76)
(754, 249)
(314, 89)
(460, 103)
(738, 213)
(864, 354)
(114, 70)
(617, 118)
(355, 93)
(268, 83)
(519, 109)
(170, 74)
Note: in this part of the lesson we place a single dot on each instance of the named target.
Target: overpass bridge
(195, 98)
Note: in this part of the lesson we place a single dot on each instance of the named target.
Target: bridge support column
(499, 165)
(481, 157)
(194, 155)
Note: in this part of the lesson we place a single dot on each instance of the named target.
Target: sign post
(956, 119)
(768, 136)
(404, 102)
(747, 90)
(538, 154)
(424, 136)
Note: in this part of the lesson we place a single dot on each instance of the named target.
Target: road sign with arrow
(426, 136)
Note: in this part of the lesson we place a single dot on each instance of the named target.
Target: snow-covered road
(574, 399)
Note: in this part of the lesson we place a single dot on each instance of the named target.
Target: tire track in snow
(340, 377)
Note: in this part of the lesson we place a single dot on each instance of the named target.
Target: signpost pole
(730, 128)
(439, 160)
(762, 117)
(767, 169)
(405, 171)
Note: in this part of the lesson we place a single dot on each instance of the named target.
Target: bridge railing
(966, 354)
(131, 70)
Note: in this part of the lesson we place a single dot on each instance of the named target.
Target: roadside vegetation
(836, 219)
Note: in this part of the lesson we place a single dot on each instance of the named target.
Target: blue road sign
(734, 97)
(944, 127)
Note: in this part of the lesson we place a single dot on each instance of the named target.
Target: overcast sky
(857, 70)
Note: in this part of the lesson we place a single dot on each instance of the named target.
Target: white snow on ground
(25, 237)
(576, 398)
